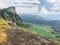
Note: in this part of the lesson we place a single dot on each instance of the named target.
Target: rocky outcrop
(11, 15)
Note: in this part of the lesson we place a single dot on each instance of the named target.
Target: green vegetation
(3, 25)
(45, 31)
(12, 36)
(11, 15)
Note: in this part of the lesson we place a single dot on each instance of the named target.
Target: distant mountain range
(55, 24)
(51, 16)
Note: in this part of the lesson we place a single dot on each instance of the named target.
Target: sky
(33, 6)
(45, 8)
(22, 6)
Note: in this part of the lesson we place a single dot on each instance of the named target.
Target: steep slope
(13, 35)
(2, 26)
(45, 31)
(21, 37)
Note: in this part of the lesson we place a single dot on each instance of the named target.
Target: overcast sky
(33, 6)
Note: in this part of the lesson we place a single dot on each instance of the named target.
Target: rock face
(21, 37)
(11, 15)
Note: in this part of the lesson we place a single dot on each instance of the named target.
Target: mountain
(13, 34)
(32, 18)
(55, 24)
(51, 16)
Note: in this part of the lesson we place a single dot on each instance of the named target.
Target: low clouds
(53, 5)
(22, 6)
(51, 1)
(27, 10)
(6, 3)
(44, 11)
(32, 6)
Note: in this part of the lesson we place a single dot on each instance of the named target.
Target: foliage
(3, 25)
(11, 15)
(45, 31)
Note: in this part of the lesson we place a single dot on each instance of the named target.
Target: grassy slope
(45, 31)
(3, 25)
(42, 30)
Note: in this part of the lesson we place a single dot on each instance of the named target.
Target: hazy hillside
(32, 18)
(55, 24)
(52, 16)
(45, 31)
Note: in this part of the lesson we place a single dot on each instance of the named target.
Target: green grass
(45, 31)
(42, 30)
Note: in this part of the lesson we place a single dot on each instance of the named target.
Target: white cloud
(55, 9)
(2, 4)
(32, 1)
(20, 7)
(44, 11)
(51, 1)
(27, 10)
(32, 7)
(55, 5)
(5, 3)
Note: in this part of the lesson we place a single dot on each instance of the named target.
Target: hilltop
(10, 14)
